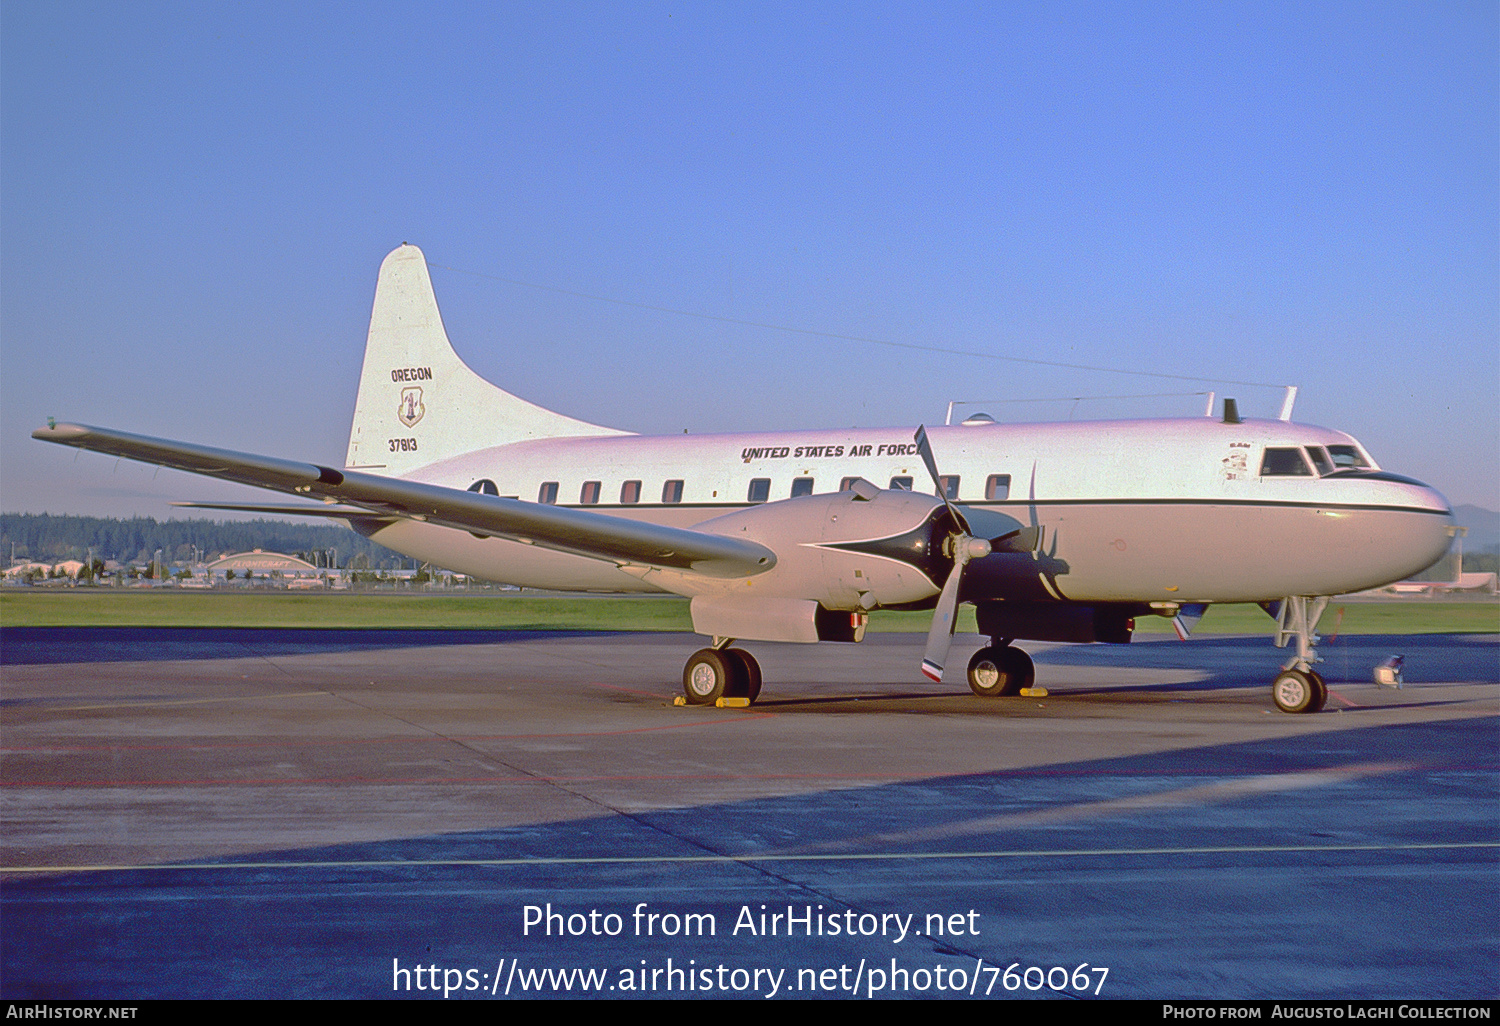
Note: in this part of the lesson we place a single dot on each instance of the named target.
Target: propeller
(965, 548)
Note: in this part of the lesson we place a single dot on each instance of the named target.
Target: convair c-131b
(1055, 531)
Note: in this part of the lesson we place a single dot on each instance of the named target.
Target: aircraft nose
(1392, 528)
(1430, 532)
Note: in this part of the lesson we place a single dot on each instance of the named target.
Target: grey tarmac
(280, 813)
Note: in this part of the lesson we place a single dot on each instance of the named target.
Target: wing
(577, 531)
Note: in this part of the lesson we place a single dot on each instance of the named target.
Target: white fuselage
(1131, 511)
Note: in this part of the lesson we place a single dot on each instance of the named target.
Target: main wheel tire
(1021, 668)
(1321, 698)
(747, 682)
(709, 675)
(1297, 691)
(1000, 670)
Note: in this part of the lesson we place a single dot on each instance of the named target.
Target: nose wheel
(715, 673)
(1299, 691)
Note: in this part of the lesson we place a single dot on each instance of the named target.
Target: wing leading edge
(576, 531)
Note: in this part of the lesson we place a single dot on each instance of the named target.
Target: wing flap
(576, 531)
(276, 509)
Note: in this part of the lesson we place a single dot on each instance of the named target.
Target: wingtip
(55, 432)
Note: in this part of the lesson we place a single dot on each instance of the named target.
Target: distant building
(1478, 582)
(289, 570)
(21, 571)
(1447, 575)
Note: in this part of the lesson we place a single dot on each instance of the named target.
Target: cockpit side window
(1347, 456)
(1321, 462)
(1284, 463)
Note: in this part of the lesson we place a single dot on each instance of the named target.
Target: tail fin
(418, 402)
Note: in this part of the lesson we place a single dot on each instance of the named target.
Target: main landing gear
(721, 672)
(1000, 670)
(1299, 688)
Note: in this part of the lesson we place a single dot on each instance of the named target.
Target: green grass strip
(85, 607)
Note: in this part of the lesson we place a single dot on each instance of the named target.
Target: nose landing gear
(1299, 688)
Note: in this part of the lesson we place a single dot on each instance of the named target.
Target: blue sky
(194, 200)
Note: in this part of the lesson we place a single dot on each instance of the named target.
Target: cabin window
(948, 486)
(547, 493)
(484, 486)
(760, 489)
(1347, 456)
(847, 484)
(588, 495)
(1321, 462)
(802, 486)
(901, 484)
(1284, 463)
(671, 492)
(630, 493)
(997, 487)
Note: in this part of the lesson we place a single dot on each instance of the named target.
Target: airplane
(1061, 532)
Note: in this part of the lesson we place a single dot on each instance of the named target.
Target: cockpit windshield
(1284, 463)
(1320, 459)
(1347, 456)
(1312, 460)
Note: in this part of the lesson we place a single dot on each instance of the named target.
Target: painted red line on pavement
(701, 777)
(1019, 774)
(427, 737)
(524, 779)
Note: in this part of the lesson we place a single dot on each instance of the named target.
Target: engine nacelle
(849, 550)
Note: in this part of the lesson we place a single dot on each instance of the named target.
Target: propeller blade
(925, 448)
(965, 548)
(940, 635)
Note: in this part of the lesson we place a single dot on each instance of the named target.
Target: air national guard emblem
(411, 408)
